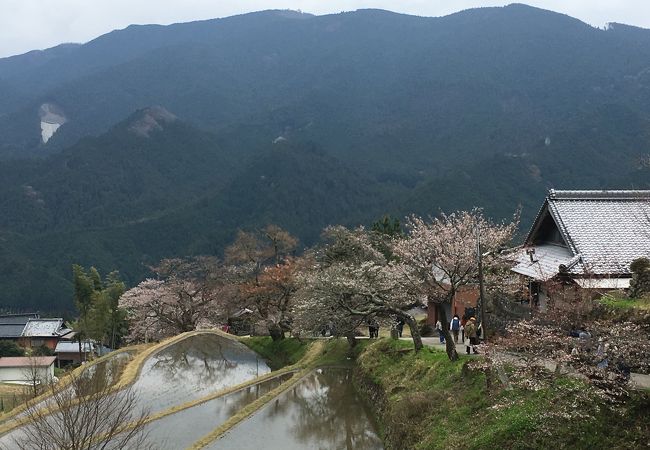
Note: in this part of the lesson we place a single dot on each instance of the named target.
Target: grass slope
(432, 403)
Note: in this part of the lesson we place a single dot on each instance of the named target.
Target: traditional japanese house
(584, 242)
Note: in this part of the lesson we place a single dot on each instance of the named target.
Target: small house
(583, 242)
(12, 325)
(41, 332)
(72, 352)
(26, 370)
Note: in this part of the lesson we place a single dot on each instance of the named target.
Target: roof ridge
(598, 194)
(561, 226)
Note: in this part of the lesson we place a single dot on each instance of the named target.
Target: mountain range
(158, 141)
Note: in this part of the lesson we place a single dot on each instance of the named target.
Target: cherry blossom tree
(439, 256)
(602, 351)
(270, 295)
(351, 282)
(253, 251)
(265, 275)
(187, 294)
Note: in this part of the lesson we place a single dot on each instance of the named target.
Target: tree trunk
(275, 331)
(450, 345)
(79, 339)
(352, 339)
(415, 331)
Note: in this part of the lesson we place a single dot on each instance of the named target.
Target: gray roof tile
(545, 263)
(17, 318)
(607, 229)
(11, 330)
(43, 327)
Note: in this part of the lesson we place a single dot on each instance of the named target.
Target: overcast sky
(36, 24)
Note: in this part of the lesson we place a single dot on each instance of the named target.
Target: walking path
(637, 380)
(434, 342)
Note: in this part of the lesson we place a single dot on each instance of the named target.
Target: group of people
(469, 330)
(373, 328)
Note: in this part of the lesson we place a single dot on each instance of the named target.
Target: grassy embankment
(626, 304)
(427, 402)
(432, 403)
(11, 396)
(286, 352)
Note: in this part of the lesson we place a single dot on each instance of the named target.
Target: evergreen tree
(640, 284)
(10, 348)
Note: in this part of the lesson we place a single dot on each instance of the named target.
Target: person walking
(471, 332)
(440, 331)
(454, 327)
(400, 327)
(463, 322)
(373, 328)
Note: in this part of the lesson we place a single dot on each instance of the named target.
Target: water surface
(193, 368)
(182, 429)
(323, 411)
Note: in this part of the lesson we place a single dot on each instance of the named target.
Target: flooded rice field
(323, 411)
(193, 368)
(182, 429)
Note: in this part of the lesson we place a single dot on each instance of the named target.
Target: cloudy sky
(36, 24)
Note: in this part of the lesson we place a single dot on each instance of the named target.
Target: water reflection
(183, 428)
(95, 378)
(321, 412)
(193, 368)
(186, 370)
(101, 374)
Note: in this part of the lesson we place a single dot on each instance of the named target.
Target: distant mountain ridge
(303, 120)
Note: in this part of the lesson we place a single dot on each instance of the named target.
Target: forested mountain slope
(303, 121)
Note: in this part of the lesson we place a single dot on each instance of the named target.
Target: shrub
(10, 348)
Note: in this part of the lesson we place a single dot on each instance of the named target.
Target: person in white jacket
(454, 327)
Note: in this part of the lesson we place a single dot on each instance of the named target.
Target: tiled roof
(27, 361)
(606, 229)
(11, 330)
(17, 318)
(545, 263)
(43, 327)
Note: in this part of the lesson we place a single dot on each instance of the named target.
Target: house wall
(29, 342)
(70, 358)
(25, 373)
(466, 297)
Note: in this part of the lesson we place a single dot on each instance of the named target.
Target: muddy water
(193, 368)
(321, 412)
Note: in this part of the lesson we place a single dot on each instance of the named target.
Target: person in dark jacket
(471, 332)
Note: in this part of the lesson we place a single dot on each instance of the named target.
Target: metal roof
(72, 347)
(43, 327)
(606, 229)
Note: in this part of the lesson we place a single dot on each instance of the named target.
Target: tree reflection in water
(252, 393)
(322, 412)
(331, 413)
(196, 366)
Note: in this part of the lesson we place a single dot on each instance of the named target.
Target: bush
(640, 284)
(10, 348)
(426, 329)
(42, 350)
